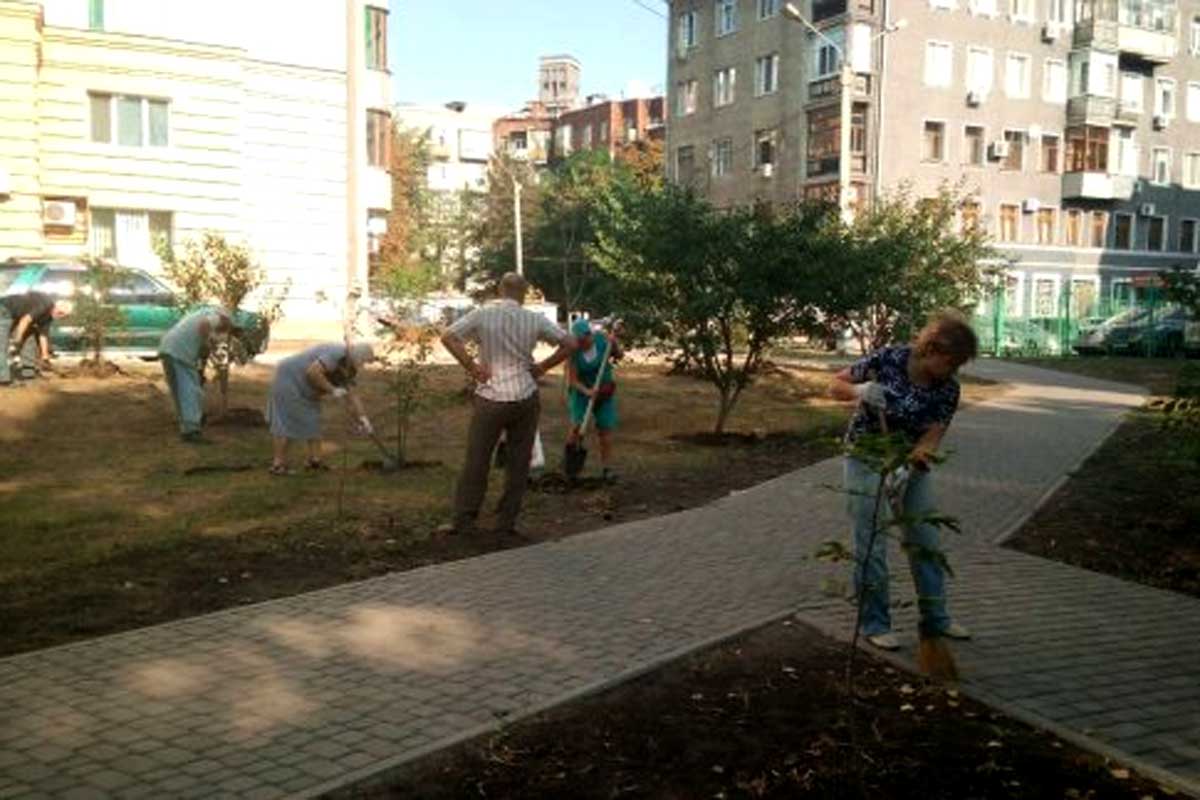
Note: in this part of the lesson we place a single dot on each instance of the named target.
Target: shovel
(575, 454)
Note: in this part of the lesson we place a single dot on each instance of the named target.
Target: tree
(644, 159)
(94, 315)
(410, 346)
(408, 228)
(1182, 285)
(493, 236)
(898, 262)
(715, 286)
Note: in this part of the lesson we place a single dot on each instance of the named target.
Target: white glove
(338, 391)
(365, 426)
(871, 394)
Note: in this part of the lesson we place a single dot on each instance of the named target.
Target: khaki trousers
(519, 422)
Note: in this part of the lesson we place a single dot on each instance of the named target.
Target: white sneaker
(884, 641)
(956, 631)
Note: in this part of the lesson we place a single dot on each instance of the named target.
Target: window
(687, 29)
(1128, 153)
(1195, 39)
(1131, 91)
(764, 148)
(685, 98)
(1122, 291)
(96, 15)
(1020, 10)
(1084, 293)
(1050, 148)
(722, 157)
(824, 128)
(1187, 235)
(1054, 81)
(935, 141)
(1161, 166)
(1014, 295)
(1016, 75)
(727, 17)
(858, 137)
(128, 236)
(767, 8)
(939, 63)
(378, 134)
(1094, 73)
(1191, 171)
(1074, 228)
(1193, 102)
(685, 164)
(139, 121)
(1156, 234)
(1164, 97)
(986, 8)
(1123, 231)
(1058, 12)
(587, 135)
(1046, 223)
(1010, 222)
(973, 145)
(826, 58)
(766, 75)
(971, 216)
(1099, 228)
(723, 80)
(941, 3)
(1045, 296)
(377, 19)
(1015, 160)
(1087, 149)
(979, 70)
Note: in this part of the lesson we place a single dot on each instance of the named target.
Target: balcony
(1145, 29)
(1090, 109)
(1128, 114)
(1155, 46)
(825, 9)
(830, 87)
(1096, 186)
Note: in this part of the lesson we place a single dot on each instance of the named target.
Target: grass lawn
(111, 522)
(1133, 509)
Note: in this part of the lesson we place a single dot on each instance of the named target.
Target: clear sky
(486, 51)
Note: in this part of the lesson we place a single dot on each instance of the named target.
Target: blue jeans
(184, 382)
(871, 570)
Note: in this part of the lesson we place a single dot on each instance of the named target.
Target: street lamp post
(846, 89)
(517, 223)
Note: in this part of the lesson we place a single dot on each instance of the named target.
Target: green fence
(1138, 321)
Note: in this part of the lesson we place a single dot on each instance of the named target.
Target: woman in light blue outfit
(180, 352)
(582, 370)
(914, 389)
(301, 382)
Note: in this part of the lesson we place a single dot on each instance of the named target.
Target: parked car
(150, 308)
(1137, 331)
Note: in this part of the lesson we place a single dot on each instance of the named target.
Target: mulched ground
(767, 715)
(1132, 511)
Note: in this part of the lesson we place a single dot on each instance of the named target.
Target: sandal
(316, 465)
(279, 470)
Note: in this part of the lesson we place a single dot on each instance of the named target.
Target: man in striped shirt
(506, 395)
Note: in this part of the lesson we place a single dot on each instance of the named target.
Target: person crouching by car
(22, 316)
(180, 352)
(301, 382)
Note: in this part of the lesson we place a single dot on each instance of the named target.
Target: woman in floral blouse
(914, 388)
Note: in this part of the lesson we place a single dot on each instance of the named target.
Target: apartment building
(608, 124)
(525, 134)
(127, 120)
(460, 141)
(1074, 124)
(558, 83)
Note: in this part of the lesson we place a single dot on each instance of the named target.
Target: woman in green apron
(583, 368)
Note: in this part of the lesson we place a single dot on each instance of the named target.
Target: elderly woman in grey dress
(301, 382)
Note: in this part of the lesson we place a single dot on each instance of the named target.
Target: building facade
(608, 125)
(132, 120)
(525, 134)
(558, 83)
(1073, 125)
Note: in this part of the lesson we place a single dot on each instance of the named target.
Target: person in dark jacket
(23, 316)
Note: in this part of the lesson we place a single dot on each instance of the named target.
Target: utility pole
(517, 223)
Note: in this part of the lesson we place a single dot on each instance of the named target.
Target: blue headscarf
(580, 328)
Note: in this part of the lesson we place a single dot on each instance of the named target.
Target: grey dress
(294, 409)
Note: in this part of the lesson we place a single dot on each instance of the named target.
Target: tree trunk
(728, 398)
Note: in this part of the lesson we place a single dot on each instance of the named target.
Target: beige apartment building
(1074, 124)
(126, 120)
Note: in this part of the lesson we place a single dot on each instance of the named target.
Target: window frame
(1022, 137)
(1194, 156)
(379, 139)
(377, 45)
(767, 9)
(686, 95)
(761, 136)
(1047, 96)
(730, 80)
(1116, 230)
(1027, 16)
(1037, 225)
(1090, 221)
(717, 161)
(1154, 154)
(1159, 84)
(1059, 153)
(983, 145)
(771, 63)
(1081, 216)
(945, 150)
(967, 75)
(1195, 234)
(114, 122)
(720, 21)
(1056, 297)
(1025, 91)
(948, 47)
(1166, 233)
(1016, 218)
(1191, 110)
(688, 21)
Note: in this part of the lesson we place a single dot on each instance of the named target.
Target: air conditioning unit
(998, 149)
(59, 213)
(768, 169)
(1161, 121)
(1031, 205)
(975, 98)
(1049, 32)
(1146, 209)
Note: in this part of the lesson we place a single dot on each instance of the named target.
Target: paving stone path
(296, 697)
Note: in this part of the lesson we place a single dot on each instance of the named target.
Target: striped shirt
(507, 334)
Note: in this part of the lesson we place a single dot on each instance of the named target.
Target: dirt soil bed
(767, 715)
